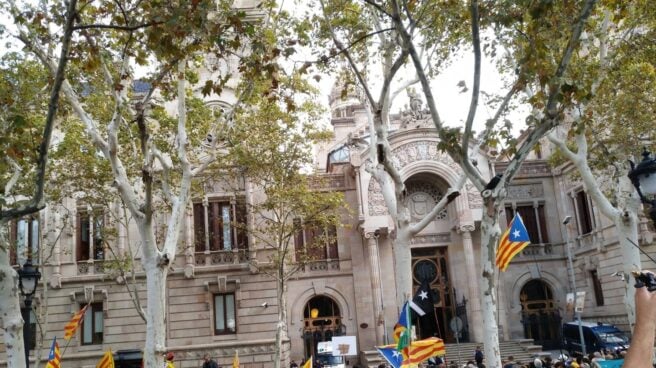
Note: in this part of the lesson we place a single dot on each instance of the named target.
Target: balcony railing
(321, 265)
(548, 250)
(222, 257)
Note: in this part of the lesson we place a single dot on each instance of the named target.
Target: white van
(326, 358)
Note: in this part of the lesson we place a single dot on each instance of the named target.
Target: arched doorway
(540, 316)
(321, 321)
(431, 265)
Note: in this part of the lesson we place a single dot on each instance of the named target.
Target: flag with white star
(513, 241)
(393, 356)
(422, 302)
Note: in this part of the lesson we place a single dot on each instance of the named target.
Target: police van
(597, 336)
(326, 358)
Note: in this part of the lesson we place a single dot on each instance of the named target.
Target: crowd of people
(575, 361)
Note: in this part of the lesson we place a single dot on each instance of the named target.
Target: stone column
(374, 267)
(189, 243)
(53, 223)
(476, 322)
(122, 228)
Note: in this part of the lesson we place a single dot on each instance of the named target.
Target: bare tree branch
(450, 195)
(115, 26)
(14, 177)
(473, 105)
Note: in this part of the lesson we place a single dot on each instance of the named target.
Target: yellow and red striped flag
(418, 351)
(421, 350)
(107, 360)
(71, 327)
(512, 242)
(54, 358)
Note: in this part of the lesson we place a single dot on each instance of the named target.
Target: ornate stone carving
(402, 156)
(525, 191)
(473, 196)
(466, 228)
(432, 238)
(415, 115)
(376, 203)
(422, 197)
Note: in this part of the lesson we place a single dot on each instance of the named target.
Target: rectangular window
(583, 213)
(92, 325)
(225, 226)
(315, 242)
(225, 321)
(534, 220)
(24, 238)
(90, 227)
(598, 291)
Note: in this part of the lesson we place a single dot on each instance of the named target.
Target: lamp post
(643, 177)
(572, 279)
(28, 279)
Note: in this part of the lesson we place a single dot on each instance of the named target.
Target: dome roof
(343, 93)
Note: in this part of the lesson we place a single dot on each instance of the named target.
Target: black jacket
(210, 364)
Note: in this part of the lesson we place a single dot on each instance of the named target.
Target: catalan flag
(54, 358)
(71, 327)
(418, 351)
(512, 242)
(421, 350)
(107, 360)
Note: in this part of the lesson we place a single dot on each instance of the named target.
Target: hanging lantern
(314, 313)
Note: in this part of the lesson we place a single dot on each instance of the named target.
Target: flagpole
(65, 347)
(68, 341)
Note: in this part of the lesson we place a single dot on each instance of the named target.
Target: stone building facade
(219, 304)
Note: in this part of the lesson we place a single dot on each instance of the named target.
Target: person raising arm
(641, 351)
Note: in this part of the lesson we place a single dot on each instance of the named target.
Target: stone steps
(522, 351)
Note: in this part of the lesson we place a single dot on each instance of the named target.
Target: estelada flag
(402, 331)
(54, 358)
(418, 351)
(512, 242)
(107, 360)
(71, 327)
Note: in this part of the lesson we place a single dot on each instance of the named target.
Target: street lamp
(643, 177)
(28, 279)
(572, 279)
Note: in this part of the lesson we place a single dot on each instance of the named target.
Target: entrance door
(540, 317)
(431, 264)
(321, 321)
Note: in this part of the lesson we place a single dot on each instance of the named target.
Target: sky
(453, 105)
